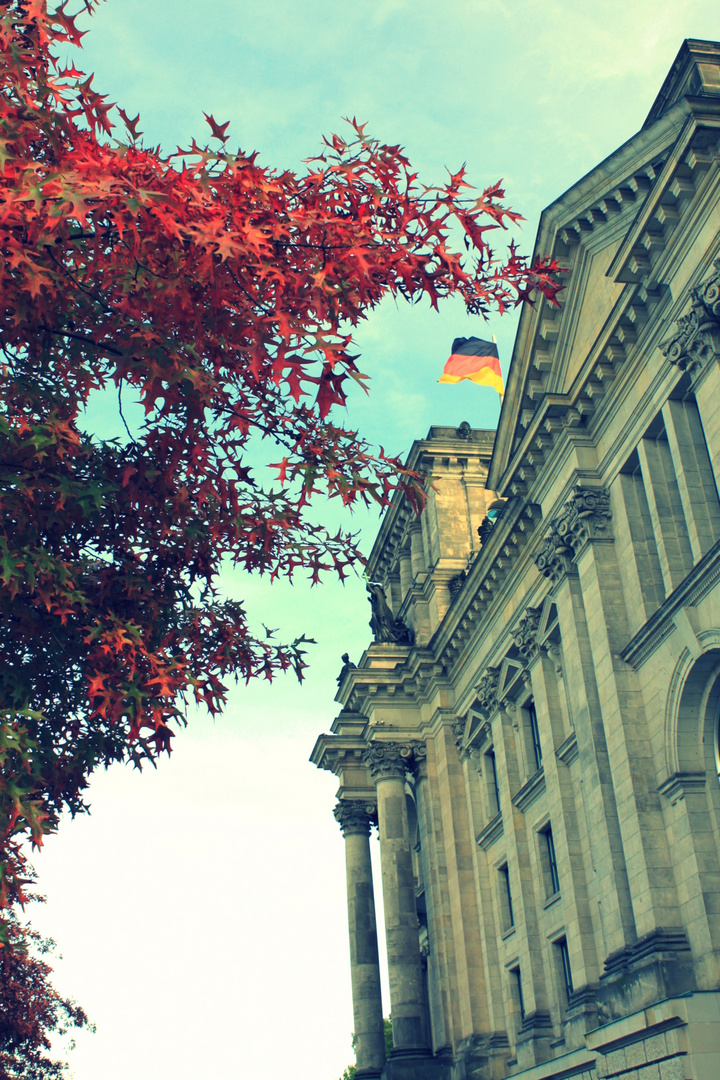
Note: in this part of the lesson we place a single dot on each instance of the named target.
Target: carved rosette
(354, 816)
(696, 339)
(584, 517)
(526, 633)
(387, 760)
(486, 691)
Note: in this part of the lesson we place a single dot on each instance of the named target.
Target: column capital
(585, 517)
(354, 816)
(696, 338)
(486, 691)
(419, 760)
(387, 760)
(525, 634)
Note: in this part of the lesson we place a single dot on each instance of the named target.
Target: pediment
(474, 724)
(510, 675)
(614, 232)
(548, 621)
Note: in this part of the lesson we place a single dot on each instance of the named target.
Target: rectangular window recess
(565, 971)
(535, 733)
(552, 866)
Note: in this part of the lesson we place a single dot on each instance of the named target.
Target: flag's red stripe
(462, 366)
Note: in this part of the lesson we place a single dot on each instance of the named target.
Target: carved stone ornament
(584, 517)
(526, 633)
(455, 583)
(384, 625)
(554, 559)
(555, 654)
(486, 691)
(458, 730)
(484, 529)
(354, 816)
(387, 760)
(419, 760)
(347, 666)
(697, 334)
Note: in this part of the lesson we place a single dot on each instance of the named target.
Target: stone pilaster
(388, 763)
(612, 908)
(354, 819)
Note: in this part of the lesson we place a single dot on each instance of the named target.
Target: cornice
(392, 674)
(695, 149)
(334, 752)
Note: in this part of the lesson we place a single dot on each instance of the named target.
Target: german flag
(474, 359)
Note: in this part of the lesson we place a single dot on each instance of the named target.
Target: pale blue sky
(201, 908)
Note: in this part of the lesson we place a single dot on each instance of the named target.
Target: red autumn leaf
(218, 293)
(218, 130)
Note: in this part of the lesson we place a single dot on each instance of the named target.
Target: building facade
(535, 727)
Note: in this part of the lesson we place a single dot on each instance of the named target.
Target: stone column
(354, 820)
(388, 763)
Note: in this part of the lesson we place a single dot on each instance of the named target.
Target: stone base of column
(416, 1065)
(368, 1074)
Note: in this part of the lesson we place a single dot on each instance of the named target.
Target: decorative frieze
(585, 517)
(696, 340)
(354, 816)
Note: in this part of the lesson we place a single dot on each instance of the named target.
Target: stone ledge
(567, 751)
(491, 832)
(530, 791)
(662, 940)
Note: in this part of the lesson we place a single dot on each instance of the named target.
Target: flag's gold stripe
(484, 377)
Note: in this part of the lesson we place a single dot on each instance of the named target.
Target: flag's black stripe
(473, 347)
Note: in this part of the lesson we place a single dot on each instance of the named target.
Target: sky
(200, 908)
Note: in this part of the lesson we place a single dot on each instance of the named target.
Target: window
(516, 990)
(563, 965)
(492, 780)
(547, 849)
(534, 732)
(506, 906)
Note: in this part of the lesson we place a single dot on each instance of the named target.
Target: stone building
(535, 726)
